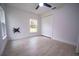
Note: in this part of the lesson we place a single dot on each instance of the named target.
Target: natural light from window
(33, 25)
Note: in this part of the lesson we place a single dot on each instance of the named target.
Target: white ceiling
(31, 7)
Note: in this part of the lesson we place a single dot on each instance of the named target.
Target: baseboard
(64, 41)
(25, 37)
(46, 36)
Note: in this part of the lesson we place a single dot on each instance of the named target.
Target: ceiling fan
(45, 4)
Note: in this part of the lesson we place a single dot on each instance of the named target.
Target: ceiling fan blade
(37, 7)
(47, 5)
(53, 8)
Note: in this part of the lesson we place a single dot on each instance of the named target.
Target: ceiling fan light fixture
(40, 4)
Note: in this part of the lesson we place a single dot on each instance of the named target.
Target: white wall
(2, 42)
(46, 26)
(77, 45)
(65, 23)
(19, 18)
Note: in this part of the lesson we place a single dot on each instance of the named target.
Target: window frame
(36, 25)
(3, 23)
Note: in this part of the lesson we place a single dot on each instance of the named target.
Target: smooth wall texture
(46, 26)
(20, 18)
(65, 23)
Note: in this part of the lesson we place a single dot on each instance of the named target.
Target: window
(33, 25)
(2, 21)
